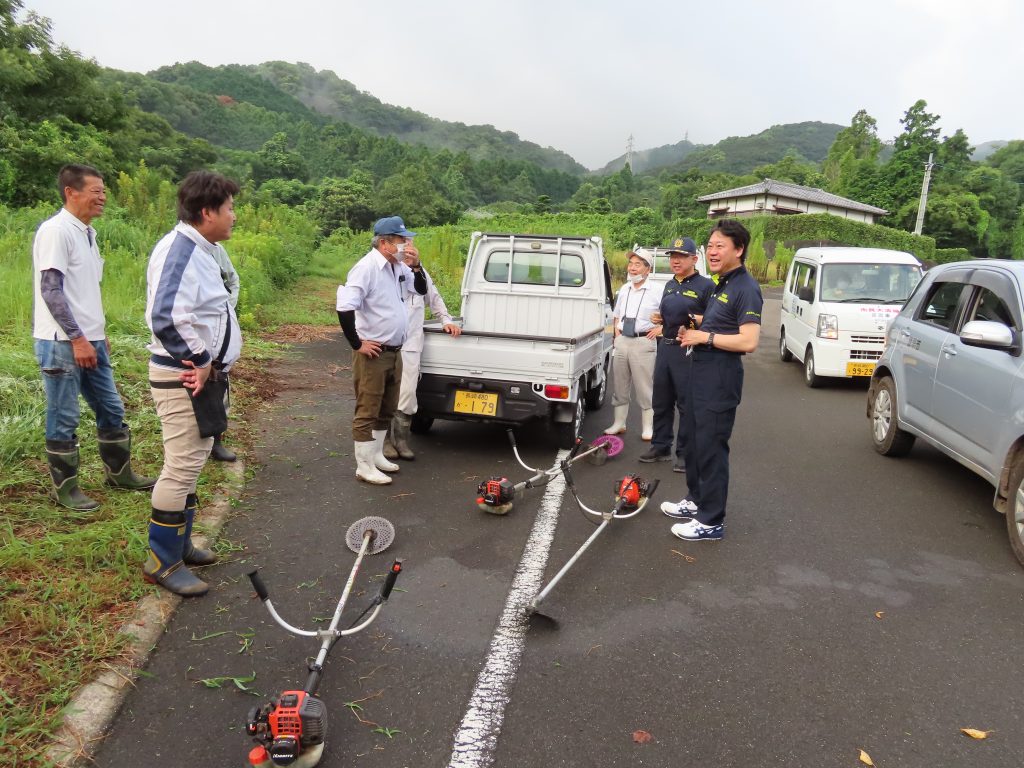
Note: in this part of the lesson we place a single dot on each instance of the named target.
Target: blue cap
(682, 245)
(392, 225)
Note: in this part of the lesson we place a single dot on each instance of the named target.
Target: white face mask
(636, 278)
(400, 252)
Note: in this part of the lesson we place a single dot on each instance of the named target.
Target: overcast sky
(581, 76)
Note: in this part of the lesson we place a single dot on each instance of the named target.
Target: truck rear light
(555, 392)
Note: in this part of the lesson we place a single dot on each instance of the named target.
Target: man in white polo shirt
(71, 343)
(371, 310)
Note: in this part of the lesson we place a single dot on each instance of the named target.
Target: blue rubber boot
(164, 566)
(191, 554)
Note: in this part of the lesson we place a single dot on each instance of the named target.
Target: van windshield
(869, 283)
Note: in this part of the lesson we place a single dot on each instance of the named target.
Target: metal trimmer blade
(381, 530)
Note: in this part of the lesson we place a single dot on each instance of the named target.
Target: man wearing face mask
(396, 444)
(373, 317)
(636, 344)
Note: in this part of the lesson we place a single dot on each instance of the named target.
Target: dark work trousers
(671, 374)
(712, 396)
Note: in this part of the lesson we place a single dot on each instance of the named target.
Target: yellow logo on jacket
(723, 297)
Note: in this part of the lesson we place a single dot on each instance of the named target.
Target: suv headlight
(828, 327)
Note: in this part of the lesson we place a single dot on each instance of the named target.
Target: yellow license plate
(476, 403)
(860, 369)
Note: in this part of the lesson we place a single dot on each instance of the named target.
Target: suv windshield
(869, 283)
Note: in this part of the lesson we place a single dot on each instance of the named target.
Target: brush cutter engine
(288, 726)
(630, 490)
(495, 492)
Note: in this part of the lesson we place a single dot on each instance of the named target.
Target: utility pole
(924, 194)
(629, 152)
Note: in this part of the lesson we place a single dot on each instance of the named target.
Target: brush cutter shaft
(572, 561)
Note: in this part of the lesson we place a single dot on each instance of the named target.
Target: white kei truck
(536, 338)
(837, 303)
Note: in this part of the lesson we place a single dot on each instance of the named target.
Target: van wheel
(784, 354)
(567, 432)
(595, 395)
(811, 379)
(888, 438)
(420, 425)
(1015, 511)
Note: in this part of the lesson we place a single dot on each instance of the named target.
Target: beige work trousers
(185, 452)
(633, 368)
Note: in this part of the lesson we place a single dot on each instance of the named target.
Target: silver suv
(952, 373)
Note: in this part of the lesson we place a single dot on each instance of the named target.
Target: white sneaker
(697, 531)
(380, 461)
(681, 510)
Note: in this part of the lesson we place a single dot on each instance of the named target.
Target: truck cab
(535, 342)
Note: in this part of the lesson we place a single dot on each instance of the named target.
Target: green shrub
(944, 255)
(825, 227)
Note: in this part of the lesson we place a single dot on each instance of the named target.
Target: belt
(633, 335)
(165, 384)
(389, 348)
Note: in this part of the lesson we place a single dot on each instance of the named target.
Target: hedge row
(824, 226)
(944, 255)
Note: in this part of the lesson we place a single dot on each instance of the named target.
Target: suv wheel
(888, 438)
(784, 354)
(811, 379)
(1015, 512)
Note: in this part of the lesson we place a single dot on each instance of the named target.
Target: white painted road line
(477, 736)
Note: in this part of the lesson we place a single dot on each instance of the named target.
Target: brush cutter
(631, 495)
(497, 494)
(290, 729)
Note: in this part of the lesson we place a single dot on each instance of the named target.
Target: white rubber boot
(379, 459)
(619, 425)
(647, 419)
(365, 468)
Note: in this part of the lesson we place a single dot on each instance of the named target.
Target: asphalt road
(857, 602)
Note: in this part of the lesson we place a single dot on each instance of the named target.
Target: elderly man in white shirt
(374, 319)
(636, 345)
(396, 444)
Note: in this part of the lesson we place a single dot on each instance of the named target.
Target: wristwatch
(711, 340)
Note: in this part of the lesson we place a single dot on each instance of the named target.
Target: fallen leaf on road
(865, 758)
(879, 614)
(974, 733)
(641, 737)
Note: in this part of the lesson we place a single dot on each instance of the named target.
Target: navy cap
(682, 245)
(392, 225)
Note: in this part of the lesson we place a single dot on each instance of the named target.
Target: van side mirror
(805, 294)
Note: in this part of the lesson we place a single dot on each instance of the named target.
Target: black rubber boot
(400, 424)
(62, 456)
(116, 449)
(191, 554)
(164, 565)
(219, 452)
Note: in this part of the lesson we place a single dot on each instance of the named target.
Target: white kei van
(836, 306)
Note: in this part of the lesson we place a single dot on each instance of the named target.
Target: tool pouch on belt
(209, 405)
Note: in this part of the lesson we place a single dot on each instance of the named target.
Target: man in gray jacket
(196, 337)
